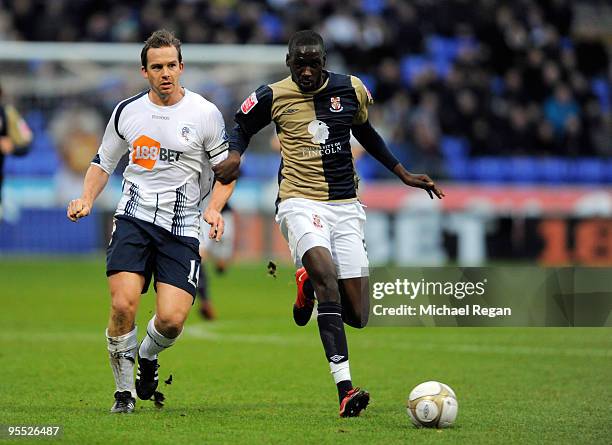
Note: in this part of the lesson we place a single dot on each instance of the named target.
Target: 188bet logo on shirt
(147, 151)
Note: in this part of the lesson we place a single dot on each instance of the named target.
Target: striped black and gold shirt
(314, 130)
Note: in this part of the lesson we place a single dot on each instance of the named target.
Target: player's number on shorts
(194, 273)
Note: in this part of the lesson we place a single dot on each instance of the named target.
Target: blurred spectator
(559, 108)
(76, 132)
(15, 137)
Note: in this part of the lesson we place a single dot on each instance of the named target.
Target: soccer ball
(432, 404)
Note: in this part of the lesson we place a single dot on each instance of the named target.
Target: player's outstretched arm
(212, 214)
(419, 180)
(371, 141)
(94, 183)
(253, 115)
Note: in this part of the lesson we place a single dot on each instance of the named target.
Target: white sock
(340, 371)
(154, 342)
(122, 354)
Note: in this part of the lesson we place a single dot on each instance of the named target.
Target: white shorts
(340, 228)
(224, 249)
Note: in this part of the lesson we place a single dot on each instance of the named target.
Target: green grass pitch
(254, 377)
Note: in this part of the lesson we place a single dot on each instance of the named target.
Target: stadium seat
(443, 47)
(457, 169)
(489, 169)
(608, 171)
(41, 159)
(522, 169)
(272, 25)
(59, 234)
(442, 66)
(554, 170)
(260, 165)
(367, 167)
(412, 66)
(588, 170)
(373, 7)
(601, 88)
(454, 148)
(369, 81)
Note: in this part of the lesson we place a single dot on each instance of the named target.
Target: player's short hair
(306, 37)
(160, 39)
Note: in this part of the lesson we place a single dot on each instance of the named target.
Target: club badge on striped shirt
(336, 105)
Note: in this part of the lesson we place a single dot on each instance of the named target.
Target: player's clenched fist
(78, 208)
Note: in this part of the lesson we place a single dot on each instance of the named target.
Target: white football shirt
(171, 151)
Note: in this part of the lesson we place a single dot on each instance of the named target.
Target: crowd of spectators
(506, 77)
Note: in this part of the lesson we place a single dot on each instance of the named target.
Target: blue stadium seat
(608, 171)
(58, 234)
(443, 47)
(489, 169)
(454, 148)
(373, 7)
(42, 158)
(554, 170)
(412, 66)
(369, 81)
(367, 167)
(457, 169)
(273, 26)
(589, 170)
(260, 165)
(601, 88)
(442, 66)
(522, 169)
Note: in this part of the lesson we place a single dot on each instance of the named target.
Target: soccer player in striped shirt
(318, 210)
(173, 136)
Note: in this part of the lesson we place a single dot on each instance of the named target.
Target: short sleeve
(112, 147)
(364, 99)
(215, 139)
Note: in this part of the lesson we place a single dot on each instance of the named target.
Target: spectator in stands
(559, 108)
(15, 137)
(76, 132)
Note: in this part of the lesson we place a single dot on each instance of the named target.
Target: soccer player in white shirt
(173, 137)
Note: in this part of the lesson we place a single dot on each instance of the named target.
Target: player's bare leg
(322, 275)
(355, 301)
(206, 308)
(125, 289)
(173, 305)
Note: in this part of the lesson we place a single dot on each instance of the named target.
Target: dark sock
(203, 283)
(343, 388)
(331, 329)
(308, 289)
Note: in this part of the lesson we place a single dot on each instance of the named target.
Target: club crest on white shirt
(186, 132)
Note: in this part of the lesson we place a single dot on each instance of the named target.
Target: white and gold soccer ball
(432, 404)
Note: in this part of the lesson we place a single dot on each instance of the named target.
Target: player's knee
(169, 325)
(123, 306)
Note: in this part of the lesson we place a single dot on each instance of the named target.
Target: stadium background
(507, 104)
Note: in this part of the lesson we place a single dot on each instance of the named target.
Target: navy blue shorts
(142, 247)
